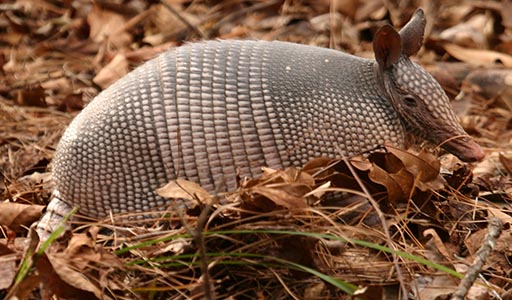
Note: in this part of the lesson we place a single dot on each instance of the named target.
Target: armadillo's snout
(465, 148)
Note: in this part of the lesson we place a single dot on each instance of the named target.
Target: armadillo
(212, 111)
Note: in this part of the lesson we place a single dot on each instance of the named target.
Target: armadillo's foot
(53, 218)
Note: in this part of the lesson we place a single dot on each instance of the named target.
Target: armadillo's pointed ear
(412, 33)
(387, 46)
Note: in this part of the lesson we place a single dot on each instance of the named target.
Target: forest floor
(414, 224)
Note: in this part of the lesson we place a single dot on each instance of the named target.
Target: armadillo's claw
(53, 218)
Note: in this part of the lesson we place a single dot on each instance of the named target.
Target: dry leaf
(114, 70)
(105, 24)
(8, 266)
(423, 166)
(76, 272)
(437, 286)
(184, 189)
(398, 185)
(283, 188)
(164, 18)
(497, 262)
(65, 282)
(500, 214)
(436, 245)
(280, 197)
(317, 165)
(361, 164)
(16, 216)
(297, 176)
(319, 191)
(35, 96)
(478, 57)
(470, 34)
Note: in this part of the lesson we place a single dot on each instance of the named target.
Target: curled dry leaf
(399, 172)
(83, 250)
(346, 181)
(398, 185)
(16, 216)
(478, 57)
(184, 189)
(490, 165)
(59, 279)
(79, 269)
(361, 164)
(440, 285)
(283, 188)
(290, 175)
(436, 250)
(279, 197)
(500, 214)
(424, 166)
(115, 69)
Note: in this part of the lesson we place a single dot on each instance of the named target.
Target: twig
(240, 13)
(199, 239)
(384, 226)
(493, 232)
(195, 29)
(197, 235)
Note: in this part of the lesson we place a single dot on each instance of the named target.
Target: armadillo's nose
(465, 148)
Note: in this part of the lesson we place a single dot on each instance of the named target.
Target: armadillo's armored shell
(207, 110)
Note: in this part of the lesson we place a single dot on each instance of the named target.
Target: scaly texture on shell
(208, 110)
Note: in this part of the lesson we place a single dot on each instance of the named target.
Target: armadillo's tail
(54, 216)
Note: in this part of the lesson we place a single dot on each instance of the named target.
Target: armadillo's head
(418, 98)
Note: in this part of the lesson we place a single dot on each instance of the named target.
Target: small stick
(240, 13)
(198, 237)
(195, 29)
(493, 232)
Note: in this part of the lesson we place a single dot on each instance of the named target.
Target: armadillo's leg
(54, 216)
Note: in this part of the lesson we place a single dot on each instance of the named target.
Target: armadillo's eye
(410, 101)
